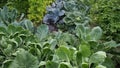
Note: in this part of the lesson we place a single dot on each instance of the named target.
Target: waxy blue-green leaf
(53, 43)
(42, 32)
(2, 24)
(111, 44)
(98, 57)
(80, 31)
(85, 50)
(83, 32)
(24, 60)
(7, 16)
(27, 24)
(63, 53)
(96, 33)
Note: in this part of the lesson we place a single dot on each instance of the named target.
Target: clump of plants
(37, 9)
(54, 16)
(106, 14)
(61, 15)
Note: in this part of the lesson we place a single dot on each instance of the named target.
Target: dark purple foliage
(54, 13)
(50, 19)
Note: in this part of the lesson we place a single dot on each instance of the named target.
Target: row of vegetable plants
(64, 40)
